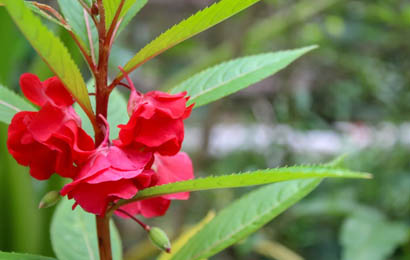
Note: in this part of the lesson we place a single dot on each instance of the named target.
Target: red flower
(156, 122)
(110, 174)
(146, 154)
(50, 140)
(168, 169)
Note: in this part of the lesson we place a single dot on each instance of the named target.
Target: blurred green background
(349, 96)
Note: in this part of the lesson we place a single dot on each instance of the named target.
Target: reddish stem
(103, 233)
(124, 85)
(142, 224)
(102, 96)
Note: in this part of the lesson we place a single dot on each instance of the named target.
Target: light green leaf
(371, 236)
(230, 77)
(52, 50)
(88, 2)
(15, 256)
(111, 7)
(117, 112)
(74, 235)
(247, 179)
(195, 24)
(74, 15)
(244, 217)
(11, 103)
(135, 8)
(209, 58)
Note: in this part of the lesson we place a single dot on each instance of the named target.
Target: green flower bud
(160, 239)
(50, 199)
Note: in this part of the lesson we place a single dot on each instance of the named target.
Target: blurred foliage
(360, 74)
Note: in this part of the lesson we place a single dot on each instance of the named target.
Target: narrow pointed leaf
(244, 217)
(51, 49)
(247, 179)
(74, 234)
(195, 24)
(111, 7)
(134, 9)
(11, 103)
(232, 76)
(16, 256)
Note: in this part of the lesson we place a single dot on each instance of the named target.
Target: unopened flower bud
(160, 239)
(50, 199)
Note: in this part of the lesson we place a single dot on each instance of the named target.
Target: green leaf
(74, 235)
(37, 10)
(186, 236)
(206, 60)
(111, 7)
(230, 77)
(371, 236)
(11, 103)
(74, 15)
(117, 112)
(15, 256)
(244, 217)
(51, 49)
(247, 179)
(195, 24)
(139, 4)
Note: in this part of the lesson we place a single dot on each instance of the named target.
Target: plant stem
(103, 234)
(101, 75)
(142, 224)
(102, 96)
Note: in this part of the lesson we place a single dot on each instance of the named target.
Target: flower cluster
(146, 153)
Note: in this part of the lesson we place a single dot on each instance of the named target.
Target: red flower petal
(55, 90)
(52, 90)
(33, 89)
(95, 198)
(149, 208)
(46, 122)
(106, 170)
(172, 169)
(156, 123)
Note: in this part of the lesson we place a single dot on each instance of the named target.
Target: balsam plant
(133, 164)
